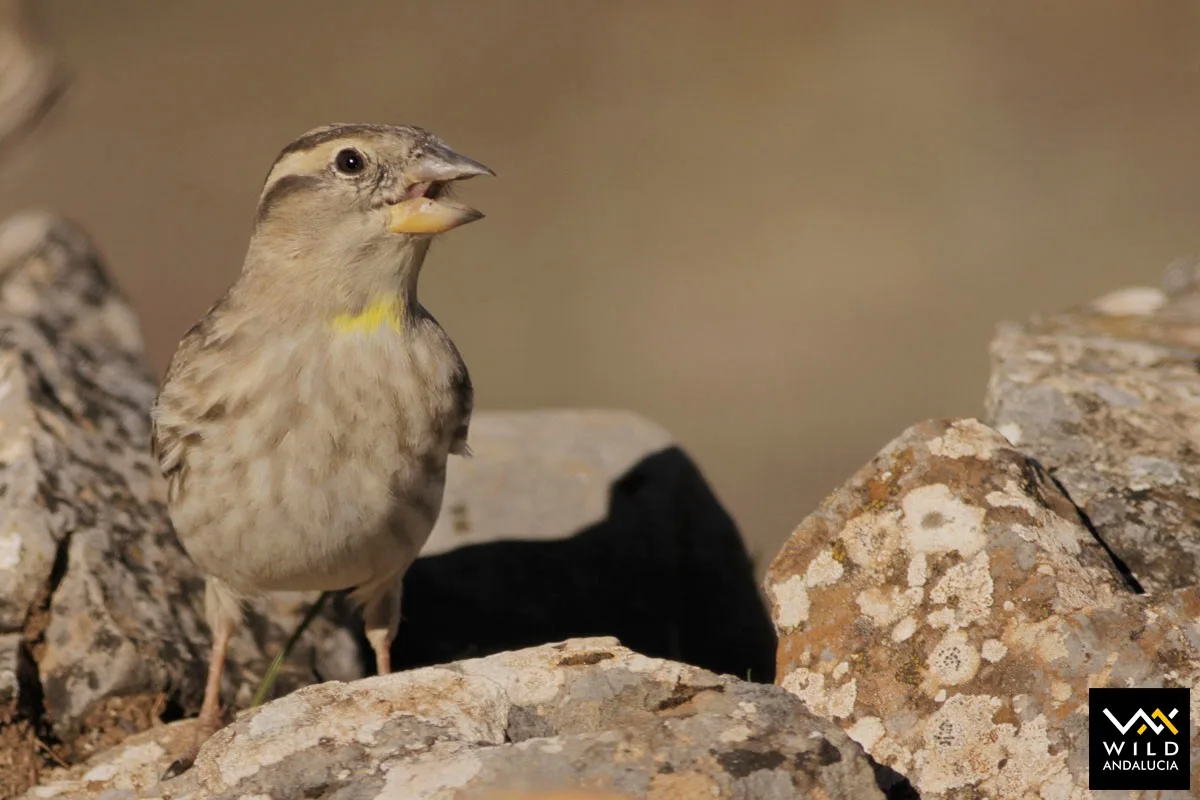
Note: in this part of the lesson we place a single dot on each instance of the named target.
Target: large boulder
(949, 608)
(1107, 397)
(587, 718)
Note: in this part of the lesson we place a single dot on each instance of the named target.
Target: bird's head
(346, 195)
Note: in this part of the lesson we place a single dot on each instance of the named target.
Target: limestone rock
(584, 718)
(949, 609)
(88, 571)
(539, 475)
(94, 586)
(573, 523)
(1106, 397)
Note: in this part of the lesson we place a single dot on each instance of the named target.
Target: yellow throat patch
(387, 311)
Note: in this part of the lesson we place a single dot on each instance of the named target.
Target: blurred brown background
(784, 230)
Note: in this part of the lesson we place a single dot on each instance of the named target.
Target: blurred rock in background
(29, 75)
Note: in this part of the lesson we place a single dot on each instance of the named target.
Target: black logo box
(1147, 755)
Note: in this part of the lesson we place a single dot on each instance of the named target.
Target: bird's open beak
(426, 215)
(423, 209)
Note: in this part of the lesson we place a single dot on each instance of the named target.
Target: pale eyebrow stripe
(300, 162)
(291, 172)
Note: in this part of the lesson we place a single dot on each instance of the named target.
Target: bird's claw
(180, 765)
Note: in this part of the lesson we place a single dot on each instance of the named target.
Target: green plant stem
(268, 681)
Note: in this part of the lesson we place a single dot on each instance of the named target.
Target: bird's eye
(349, 161)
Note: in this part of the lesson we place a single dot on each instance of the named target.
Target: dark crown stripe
(327, 134)
(320, 136)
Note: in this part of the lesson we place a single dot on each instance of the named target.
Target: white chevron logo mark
(1142, 715)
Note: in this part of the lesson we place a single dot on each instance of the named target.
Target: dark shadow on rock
(666, 572)
(893, 785)
(1118, 564)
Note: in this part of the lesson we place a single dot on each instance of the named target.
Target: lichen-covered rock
(103, 602)
(949, 609)
(571, 523)
(584, 718)
(1107, 397)
(88, 568)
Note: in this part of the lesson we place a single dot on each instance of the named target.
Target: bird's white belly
(346, 494)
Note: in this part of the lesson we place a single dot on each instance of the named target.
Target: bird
(304, 424)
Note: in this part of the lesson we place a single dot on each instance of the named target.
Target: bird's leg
(381, 618)
(223, 613)
(209, 720)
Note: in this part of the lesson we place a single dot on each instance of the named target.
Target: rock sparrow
(304, 423)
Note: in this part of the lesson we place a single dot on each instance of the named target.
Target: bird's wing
(174, 425)
(464, 396)
(170, 434)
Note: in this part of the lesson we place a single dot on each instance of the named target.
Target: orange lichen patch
(838, 551)
(1190, 602)
(682, 786)
(795, 554)
(882, 488)
(584, 659)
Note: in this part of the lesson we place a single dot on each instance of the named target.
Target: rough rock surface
(949, 609)
(29, 77)
(1107, 396)
(575, 523)
(586, 717)
(100, 609)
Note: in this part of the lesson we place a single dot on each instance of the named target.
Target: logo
(1139, 739)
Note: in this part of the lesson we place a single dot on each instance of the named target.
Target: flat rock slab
(583, 718)
(948, 608)
(541, 475)
(1107, 397)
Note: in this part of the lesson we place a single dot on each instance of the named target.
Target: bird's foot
(206, 726)
(181, 764)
